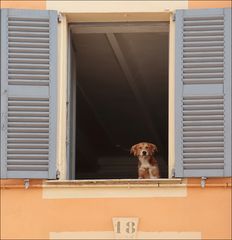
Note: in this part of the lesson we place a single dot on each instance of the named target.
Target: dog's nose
(144, 152)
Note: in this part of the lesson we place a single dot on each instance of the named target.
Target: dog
(147, 166)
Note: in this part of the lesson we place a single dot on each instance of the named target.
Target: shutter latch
(203, 182)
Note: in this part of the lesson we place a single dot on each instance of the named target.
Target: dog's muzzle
(144, 153)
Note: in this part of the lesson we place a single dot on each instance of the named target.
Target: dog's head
(143, 149)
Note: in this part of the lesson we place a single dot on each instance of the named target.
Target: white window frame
(64, 78)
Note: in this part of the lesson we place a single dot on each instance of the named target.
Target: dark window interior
(121, 99)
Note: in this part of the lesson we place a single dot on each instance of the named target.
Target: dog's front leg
(142, 173)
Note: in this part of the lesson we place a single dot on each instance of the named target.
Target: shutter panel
(28, 93)
(203, 93)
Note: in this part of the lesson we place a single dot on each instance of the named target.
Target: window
(119, 92)
(120, 71)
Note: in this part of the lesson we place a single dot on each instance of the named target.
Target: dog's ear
(133, 150)
(153, 147)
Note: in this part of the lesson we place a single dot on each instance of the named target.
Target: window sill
(117, 183)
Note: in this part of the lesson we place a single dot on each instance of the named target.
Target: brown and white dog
(147, 167)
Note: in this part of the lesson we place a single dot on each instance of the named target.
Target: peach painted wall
(26, 214)
(209, 4)
(29, 4)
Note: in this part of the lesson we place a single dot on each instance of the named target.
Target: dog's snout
(144, 152)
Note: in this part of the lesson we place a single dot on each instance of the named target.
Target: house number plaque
(125, 228)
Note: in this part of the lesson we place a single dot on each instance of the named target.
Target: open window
(119, 97)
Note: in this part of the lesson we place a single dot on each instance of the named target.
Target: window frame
(168, 19)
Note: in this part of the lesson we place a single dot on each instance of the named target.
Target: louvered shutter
(203, 93)
(28, 93)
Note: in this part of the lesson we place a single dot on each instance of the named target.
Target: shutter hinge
(203, 182)
(173, 16)
(173, 173)
(59, 18)
(26, 183)
(57, 174)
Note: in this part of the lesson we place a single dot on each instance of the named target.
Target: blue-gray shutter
(203, 93)
(28, 93)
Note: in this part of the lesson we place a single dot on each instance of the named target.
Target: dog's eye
(140, 147)
(146, 147)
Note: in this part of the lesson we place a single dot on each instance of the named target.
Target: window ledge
(137, 183)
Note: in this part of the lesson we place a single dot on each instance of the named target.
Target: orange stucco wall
(209, 4)
(29, 4)
(26, 215)
(41, 4)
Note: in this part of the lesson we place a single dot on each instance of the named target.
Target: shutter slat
(28, 130)
(204, 166)
(204, 22)
(203, 123)
(204, 29)
(25, 120)
(27, 140)
(203, 49)
(24, 28)
(28, 45)
(204, 65)
(203, 70)
(203, 107)
(28, 156)
(196, 18)
(26, 151)
(203, 149)
(28, 65)
(29, 57)
(28, 50)
(29, 34)
(201, 139)
(28, 23)
(27, 146)
(203, 144)
(28, 40)
(27, 168)
(204, 160)
(202, 59)
(27, 162)
(204, 155)
(28, 76)
(203, 133)
(28, 125)
(27, 135)
(202, 33)
(203, 112)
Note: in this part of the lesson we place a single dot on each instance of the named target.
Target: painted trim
(115, 6)
(113, 192)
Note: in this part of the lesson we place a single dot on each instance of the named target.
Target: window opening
(120, 76)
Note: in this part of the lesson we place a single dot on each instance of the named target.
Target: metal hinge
(26, 183)
(203, 182)
(57, 174)
(173, 173)
(59, 18)
(174, 17)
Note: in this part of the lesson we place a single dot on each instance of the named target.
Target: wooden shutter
(28, 93)
(203, 93)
